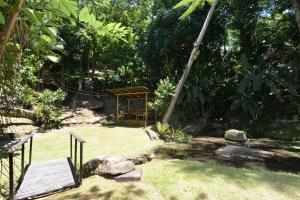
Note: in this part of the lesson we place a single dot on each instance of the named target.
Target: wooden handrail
(11, 153)
(81, 142)
(79, 139)
(19, 144)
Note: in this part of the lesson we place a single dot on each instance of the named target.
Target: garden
(169, 99)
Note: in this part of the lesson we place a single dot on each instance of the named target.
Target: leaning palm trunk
(193, 57)
(296, 5)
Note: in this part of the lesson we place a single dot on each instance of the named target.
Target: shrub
(171, 135)
(163, 95)
(163, 129)
(46, 108)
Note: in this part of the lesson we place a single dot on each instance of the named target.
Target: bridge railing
(81, 141)
(11, 154)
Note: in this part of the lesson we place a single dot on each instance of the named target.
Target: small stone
(134, 175)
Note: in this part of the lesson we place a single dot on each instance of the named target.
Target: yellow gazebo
(133, 115)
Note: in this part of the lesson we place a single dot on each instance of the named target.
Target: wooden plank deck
(46, 178)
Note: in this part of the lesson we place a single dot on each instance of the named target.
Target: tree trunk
(188, 67)
(7, 33)
(17, 112)
(296, 5)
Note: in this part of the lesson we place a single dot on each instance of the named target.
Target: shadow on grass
(245, 179)
(203, 149)
(96, 193)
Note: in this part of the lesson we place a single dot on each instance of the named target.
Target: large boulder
(236, 135)
(107, 166)
(242, 153)
(115, 166)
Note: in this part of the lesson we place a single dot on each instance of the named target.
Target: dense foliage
(248, 64)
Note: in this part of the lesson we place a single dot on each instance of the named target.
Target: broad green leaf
(54, 59)
(30, 14)
(51, 31)
(2, 3)
(196, 4)
(84, 14)
(183, 3)
(2, 18)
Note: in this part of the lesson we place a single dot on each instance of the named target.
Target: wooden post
(146, 102)
(71, 141)
(22, 161)
(11, 176)
(30, 150)
(75, 159)
(81, 156)
(128, 106)
(117, 107)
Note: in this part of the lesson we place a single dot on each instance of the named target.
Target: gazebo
(134, 110)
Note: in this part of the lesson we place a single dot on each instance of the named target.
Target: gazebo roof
(138, 92)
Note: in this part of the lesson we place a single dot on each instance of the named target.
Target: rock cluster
(121, 169)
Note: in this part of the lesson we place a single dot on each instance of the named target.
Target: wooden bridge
(42, 179)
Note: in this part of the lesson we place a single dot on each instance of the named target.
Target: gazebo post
(128, 106)
(117, 107)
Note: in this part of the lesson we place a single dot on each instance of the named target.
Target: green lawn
(114, 141)
(174, 179)
(162, 179)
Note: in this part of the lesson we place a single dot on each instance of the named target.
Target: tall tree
(7, 32)
(296, 5)
(193, 57)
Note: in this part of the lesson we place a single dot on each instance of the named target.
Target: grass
(162, 179)
(175, 179)
(114, 141)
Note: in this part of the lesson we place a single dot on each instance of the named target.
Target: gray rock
(107, 166)
(93, 120)
(90, 167)
(242, 153)
(134, 175)
(115, 166)
(152, 134)
(141, 159)
(236, 135)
